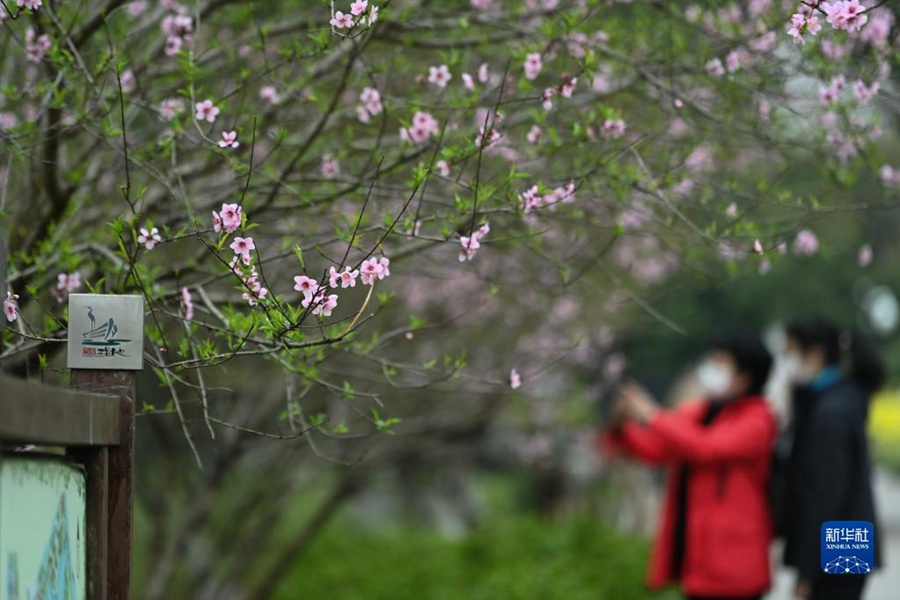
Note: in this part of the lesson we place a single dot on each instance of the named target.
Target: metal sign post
(105, 348)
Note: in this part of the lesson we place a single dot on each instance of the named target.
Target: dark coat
(728, 524)
(828, 473)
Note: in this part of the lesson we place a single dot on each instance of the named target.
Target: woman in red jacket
(715, 530)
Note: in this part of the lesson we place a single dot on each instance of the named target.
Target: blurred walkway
(885, 584)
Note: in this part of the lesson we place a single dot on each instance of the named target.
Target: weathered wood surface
(120, 476)
(96, 469)
(31, 415)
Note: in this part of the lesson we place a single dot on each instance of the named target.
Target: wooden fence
(94, 433)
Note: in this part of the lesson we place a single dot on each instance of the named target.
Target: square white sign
(106, 332)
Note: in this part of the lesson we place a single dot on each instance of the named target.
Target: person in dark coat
(828, 474)
(715, 532)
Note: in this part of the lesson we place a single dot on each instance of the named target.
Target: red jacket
(728, 529)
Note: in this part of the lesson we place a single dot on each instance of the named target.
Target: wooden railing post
(112, 470)
(96, 470)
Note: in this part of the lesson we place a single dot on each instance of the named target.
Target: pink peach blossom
(207, 111)
(229, 140)
(341, 20)
(10, 307)
(149, 238)
(242, 246)
(439, 76)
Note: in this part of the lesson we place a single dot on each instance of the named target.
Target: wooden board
(31, 415)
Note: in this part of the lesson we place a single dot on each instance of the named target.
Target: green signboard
(42, 529)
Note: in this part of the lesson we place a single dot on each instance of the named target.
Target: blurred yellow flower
(884, 427)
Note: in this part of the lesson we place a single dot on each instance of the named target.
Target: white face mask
(714, 378)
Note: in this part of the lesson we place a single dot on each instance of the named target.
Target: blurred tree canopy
(405, 240)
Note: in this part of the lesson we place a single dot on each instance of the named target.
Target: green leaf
(299, 252)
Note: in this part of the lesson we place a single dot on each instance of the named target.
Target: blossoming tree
(375, 198)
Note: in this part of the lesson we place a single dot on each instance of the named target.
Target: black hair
(853, 351)
(749, 353)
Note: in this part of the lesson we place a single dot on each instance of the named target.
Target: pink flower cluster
(242, 265)
(890, 176)
(864, 93)
(699, 161)
(567, 88)
(321, 301)
(612, 128)
(471, 244)
(345, 278)
(715, 67)
(127, 81)
(844, 146)
(330, 167)
(374, 268)
(482, 74)
(803, 23)
(634, 217)
(829, 94)
(532, 199)
(136, 9)
(848, 15)
(170, 107)
(371, 105)
(66, 283)
(741, 57)
(645, 259)
(269, 93)
(845, 14)
(423, 127)
(764, 43)
(493, 137)
(547, 98)
(36, 46)
(878, 31)
(31, 4)
(578, 43)
(8, 120)
(342, 20)
(178, 29)
(229, 218)
(533, 65)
